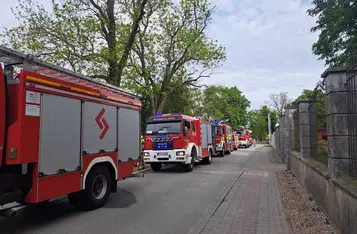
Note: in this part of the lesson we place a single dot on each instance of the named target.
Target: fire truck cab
(243, 136)
(177, 139)
(62, 133)
(224, 141)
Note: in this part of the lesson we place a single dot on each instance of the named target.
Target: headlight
(180, 153)
(154, 138)
(167, 137)
(163, 138)
(146, 154)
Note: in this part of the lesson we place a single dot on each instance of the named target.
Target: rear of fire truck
(61, 133)
(177, 139)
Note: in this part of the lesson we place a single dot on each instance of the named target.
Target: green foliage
(337, 24)
(258, 122)
(91, 37)
(320, 105)
(172, 51)
(227, 104)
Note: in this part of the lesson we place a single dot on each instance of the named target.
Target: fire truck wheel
(156, 166)
(97, 191)
(189, 167)
(222, 153)
(229, 151)
(208, 160)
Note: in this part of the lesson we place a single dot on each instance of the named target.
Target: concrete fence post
(281, 137)
(289, 112)
(286, 136)
(305, 132)
(337, 121)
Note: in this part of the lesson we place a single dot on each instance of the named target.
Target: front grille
(163, 145)
(163, 159)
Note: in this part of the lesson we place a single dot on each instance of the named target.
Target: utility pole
(269, 127)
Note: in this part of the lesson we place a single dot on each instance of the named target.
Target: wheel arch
(191, 146)
(105, 161)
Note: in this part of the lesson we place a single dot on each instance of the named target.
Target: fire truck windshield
(240, 133)
(163, 128)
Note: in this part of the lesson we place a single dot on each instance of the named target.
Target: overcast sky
(268, 45)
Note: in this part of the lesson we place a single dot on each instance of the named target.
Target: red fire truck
(250, 137)
(177, 139)
(62, 133)
(235, 140)
(243, 136)
(224, 140)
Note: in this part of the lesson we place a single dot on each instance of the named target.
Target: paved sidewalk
(253, 204)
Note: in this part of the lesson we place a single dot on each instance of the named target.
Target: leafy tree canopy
(227, 104)
(94, 37)
(258, 122)
(172, 51)
(337, 25)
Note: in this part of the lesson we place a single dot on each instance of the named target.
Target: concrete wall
(335, 197)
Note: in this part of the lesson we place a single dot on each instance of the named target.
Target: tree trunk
(134, 30)
(161, 105)
(112, 44)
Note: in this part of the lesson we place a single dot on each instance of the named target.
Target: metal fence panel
(352, 119)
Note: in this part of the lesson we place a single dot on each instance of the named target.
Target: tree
(320, 100)
(258, 122)
(226, 104)
(89, 36)
(172, 49)
(337, 24)
(279, 101)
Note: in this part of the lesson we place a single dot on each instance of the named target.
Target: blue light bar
(216, 121)
(156, 115)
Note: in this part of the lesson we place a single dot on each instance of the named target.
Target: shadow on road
(35, 215)
(38, 215)
(122, 199)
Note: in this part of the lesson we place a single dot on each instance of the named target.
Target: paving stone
(253, 205)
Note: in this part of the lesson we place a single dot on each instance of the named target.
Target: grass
(268, 145)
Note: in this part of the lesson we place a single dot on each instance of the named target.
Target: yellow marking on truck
(85, 91)
(42, 81)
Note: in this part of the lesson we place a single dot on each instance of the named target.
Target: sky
(268, 45)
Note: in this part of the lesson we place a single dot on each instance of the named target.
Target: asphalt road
(170, 201)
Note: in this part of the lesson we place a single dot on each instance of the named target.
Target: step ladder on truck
(178, 139)
(62, 133)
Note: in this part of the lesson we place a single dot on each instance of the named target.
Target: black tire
(208, 160)
(98, 181)
(229, 151)
(189, 167)
(223, 152)
(156, 166)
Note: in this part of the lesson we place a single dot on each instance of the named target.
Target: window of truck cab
(164, 127)
(193, 126)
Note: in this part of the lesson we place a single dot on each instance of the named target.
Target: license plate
(163, 154)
